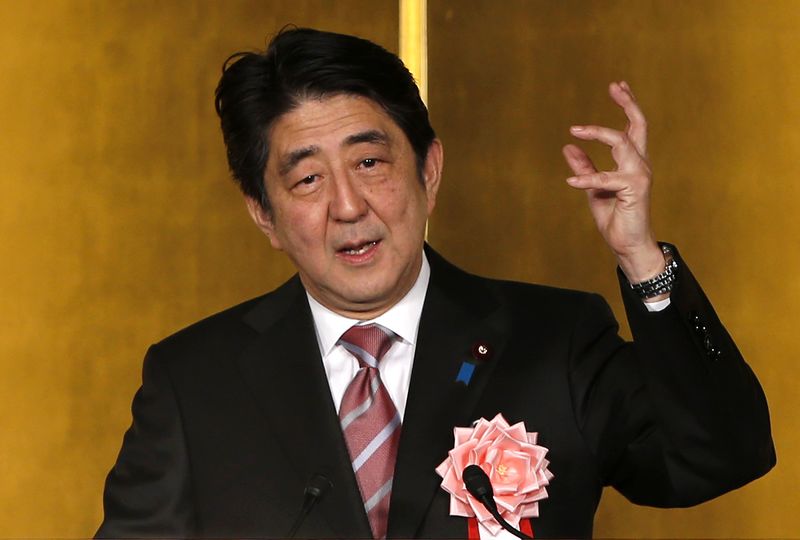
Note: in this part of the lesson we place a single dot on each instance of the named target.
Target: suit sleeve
(677, 417)
(147, 493)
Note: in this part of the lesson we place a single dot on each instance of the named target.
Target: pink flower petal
(451, 483)
(509, 502)
(460, 456)
(462, 435)
(460, 508)
(443, 467)
(529, 510)
(499, 420)
(517, 432)
(491, 526)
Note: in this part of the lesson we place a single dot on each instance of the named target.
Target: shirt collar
(402, 318)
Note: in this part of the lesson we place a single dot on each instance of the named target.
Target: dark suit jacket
(234, 414)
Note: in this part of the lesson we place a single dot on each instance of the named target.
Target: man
(240, 413)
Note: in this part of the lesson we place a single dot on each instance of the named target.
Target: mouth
(358, 252)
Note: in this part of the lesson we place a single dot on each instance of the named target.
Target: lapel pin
(482, 351)
(465, 373)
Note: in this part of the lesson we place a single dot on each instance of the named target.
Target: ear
(263, 220)
(432, 172)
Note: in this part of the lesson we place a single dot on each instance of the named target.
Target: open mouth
(359, 250)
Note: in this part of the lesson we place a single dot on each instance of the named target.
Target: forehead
(329, 121)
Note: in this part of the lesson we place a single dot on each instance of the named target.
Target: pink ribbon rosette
(515, 464)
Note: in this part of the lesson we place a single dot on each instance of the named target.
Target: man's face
(348, 207)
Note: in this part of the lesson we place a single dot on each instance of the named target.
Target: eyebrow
(369, 136)
(294, 157)
(291, 160)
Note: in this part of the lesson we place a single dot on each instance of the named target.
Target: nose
(348, 203)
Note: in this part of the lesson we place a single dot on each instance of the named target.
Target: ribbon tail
(526, 526)
(473, 533)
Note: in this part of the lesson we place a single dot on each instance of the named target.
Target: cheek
(303, 228)
(416, 207)
(401, 204)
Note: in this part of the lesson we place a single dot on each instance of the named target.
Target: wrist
(642, 264)
(658, 286)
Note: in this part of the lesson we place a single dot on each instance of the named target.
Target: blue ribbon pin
(465, 373)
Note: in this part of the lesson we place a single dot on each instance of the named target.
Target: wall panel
(719, 83)
(118, 220)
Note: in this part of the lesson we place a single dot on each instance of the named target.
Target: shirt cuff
(657, 306)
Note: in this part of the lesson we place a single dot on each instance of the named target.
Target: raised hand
(620, 199)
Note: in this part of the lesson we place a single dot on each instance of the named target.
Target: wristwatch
(663, 282)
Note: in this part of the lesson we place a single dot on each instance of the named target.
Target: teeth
(360, 251)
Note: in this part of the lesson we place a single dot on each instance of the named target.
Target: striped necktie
(370, 422)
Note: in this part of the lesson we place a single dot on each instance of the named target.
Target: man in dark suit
(240, 413)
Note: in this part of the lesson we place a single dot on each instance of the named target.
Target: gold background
(119, 223)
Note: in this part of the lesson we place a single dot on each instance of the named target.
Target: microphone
(478, 484)
(314, 491)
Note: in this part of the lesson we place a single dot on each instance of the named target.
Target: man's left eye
(369, 163)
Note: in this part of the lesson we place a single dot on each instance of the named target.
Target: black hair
(256, 88)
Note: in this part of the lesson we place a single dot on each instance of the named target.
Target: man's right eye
(308, 180)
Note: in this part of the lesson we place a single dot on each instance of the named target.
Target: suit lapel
(284, 370)
(459, 311)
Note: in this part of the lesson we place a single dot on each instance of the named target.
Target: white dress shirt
(395, 367)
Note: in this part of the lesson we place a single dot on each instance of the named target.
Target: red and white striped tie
(370, 422)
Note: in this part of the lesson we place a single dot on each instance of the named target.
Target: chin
(366, 295)
(365, 298)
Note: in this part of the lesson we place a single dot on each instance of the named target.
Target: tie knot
(368, 343)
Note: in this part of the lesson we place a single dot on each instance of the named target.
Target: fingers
(637, 124)
(578, 160)
(627, 147)
(609, 136)
(601, 181)
(623, 150)
(636, 131)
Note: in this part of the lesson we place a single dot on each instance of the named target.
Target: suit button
(714, 354)
(697, 323)
(709, 345)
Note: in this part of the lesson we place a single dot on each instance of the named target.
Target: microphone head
(317, 486)
(477, 483)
